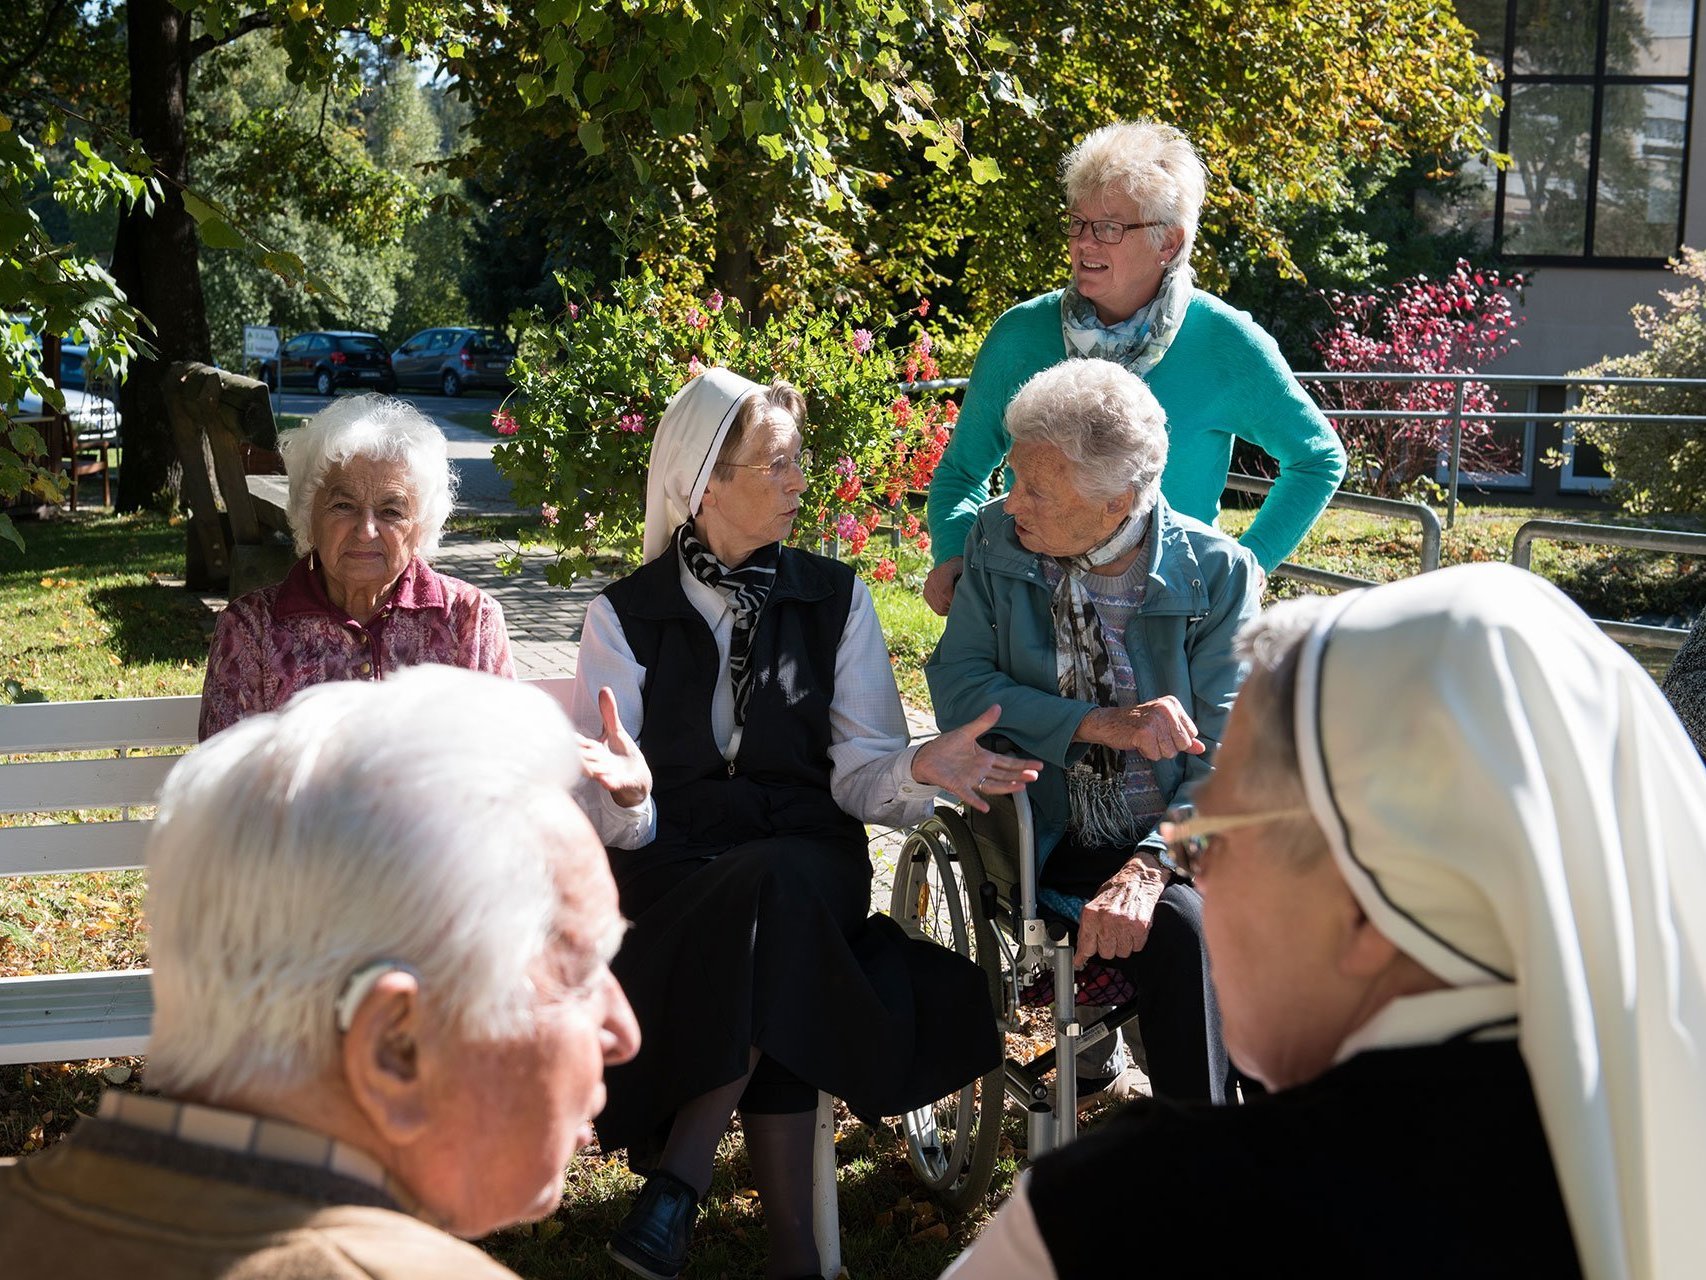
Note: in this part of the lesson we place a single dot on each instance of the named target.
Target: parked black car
(454, 359)
(333, 358)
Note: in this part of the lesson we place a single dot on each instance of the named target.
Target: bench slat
(44, 786)
(73, 847)
(105, 722)
(71, 1016)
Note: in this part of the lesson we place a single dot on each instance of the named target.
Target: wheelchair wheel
(952, 1143)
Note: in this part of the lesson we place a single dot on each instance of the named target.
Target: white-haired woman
(370, 489)
(1102, 620)
(757, 681)
(1134, 193)
(1452, 888)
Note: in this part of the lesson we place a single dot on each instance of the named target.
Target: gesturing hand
(1157, 730)
(613, 759)
(955, 763)
(1116, 921)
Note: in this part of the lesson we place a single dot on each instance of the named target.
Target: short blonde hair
(1154, 164)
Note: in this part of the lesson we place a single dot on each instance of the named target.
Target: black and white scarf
(746, 589)
(1096, 783)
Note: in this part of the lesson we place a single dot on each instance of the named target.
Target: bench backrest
(115, 779)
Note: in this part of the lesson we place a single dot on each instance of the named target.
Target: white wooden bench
(73, 1016)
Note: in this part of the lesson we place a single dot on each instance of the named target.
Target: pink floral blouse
(272, 642)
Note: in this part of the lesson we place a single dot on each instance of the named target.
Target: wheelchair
(968, 881)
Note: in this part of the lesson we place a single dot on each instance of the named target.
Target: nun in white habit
(1454, 895)
(755, 678)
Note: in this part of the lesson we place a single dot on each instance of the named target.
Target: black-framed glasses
(1188, 837)
(1106, 230)
(778, 466)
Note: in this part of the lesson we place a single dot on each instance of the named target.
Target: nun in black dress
(757, 683)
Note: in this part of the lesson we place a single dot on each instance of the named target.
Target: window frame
(1599, 82)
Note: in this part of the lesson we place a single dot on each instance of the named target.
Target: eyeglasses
(778, 466)
(1188, 836)
(1106, 230)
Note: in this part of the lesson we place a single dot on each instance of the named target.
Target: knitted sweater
(1222, 378)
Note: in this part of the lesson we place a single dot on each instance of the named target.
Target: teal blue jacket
(999, 647)
(1223, 377)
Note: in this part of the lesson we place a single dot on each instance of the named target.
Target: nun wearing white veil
(757, 682)
(1455, 905)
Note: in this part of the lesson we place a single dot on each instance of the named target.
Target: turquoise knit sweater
(1223, 377)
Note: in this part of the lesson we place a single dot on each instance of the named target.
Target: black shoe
(653, 1238)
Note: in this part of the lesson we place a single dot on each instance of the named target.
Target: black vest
(778, 783)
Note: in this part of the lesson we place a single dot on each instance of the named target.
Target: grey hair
(1271, 644)
(376, 427)
(423, 820)
(779, 396)
(1154, 164)
(1101, 416)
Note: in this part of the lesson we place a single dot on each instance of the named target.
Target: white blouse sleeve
(606, 659)
(1009, 1248)
(870, 759)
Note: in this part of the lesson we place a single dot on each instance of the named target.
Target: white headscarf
(685, 449)
(1511, 799)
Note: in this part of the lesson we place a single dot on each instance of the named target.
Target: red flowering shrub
(1454, 325)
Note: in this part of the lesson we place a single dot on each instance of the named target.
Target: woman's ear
(382, 1058)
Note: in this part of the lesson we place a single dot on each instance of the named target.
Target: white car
(95, 418)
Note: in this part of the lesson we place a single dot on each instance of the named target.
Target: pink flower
(924, 306)
(844, 467)
(694, 368)
(715, 301)
(635, 422)
(504, 424)
(697, 319)
(574, 311)
(846, 525)
(548, 514)
(857, 542)
(884, 572)
(862, 340)
(589, 522)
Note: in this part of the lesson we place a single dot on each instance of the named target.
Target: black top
(1417, 1162)
(778, 783)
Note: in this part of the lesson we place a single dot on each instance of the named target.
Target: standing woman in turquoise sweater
(1134, 192)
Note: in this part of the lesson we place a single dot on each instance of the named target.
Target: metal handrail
(1609, 535)
(1457, 415)
(1389, 508)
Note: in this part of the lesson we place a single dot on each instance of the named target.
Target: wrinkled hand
(613, 759)
(955, 763)
(1157, 730)
(1261, 580)
(940, 582)
(1116, 921)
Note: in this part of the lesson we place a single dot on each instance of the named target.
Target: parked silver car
(452, 360)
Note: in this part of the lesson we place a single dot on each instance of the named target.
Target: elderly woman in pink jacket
(370, 488)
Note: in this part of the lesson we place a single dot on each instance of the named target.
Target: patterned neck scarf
(746, 589)
(1099, 815)
(1139, 342)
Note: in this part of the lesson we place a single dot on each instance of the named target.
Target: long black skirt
(771, 944)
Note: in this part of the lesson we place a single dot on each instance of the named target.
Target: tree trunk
(156, 259)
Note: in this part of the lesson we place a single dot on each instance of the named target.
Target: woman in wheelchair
(1101, 620)
(757, 681)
